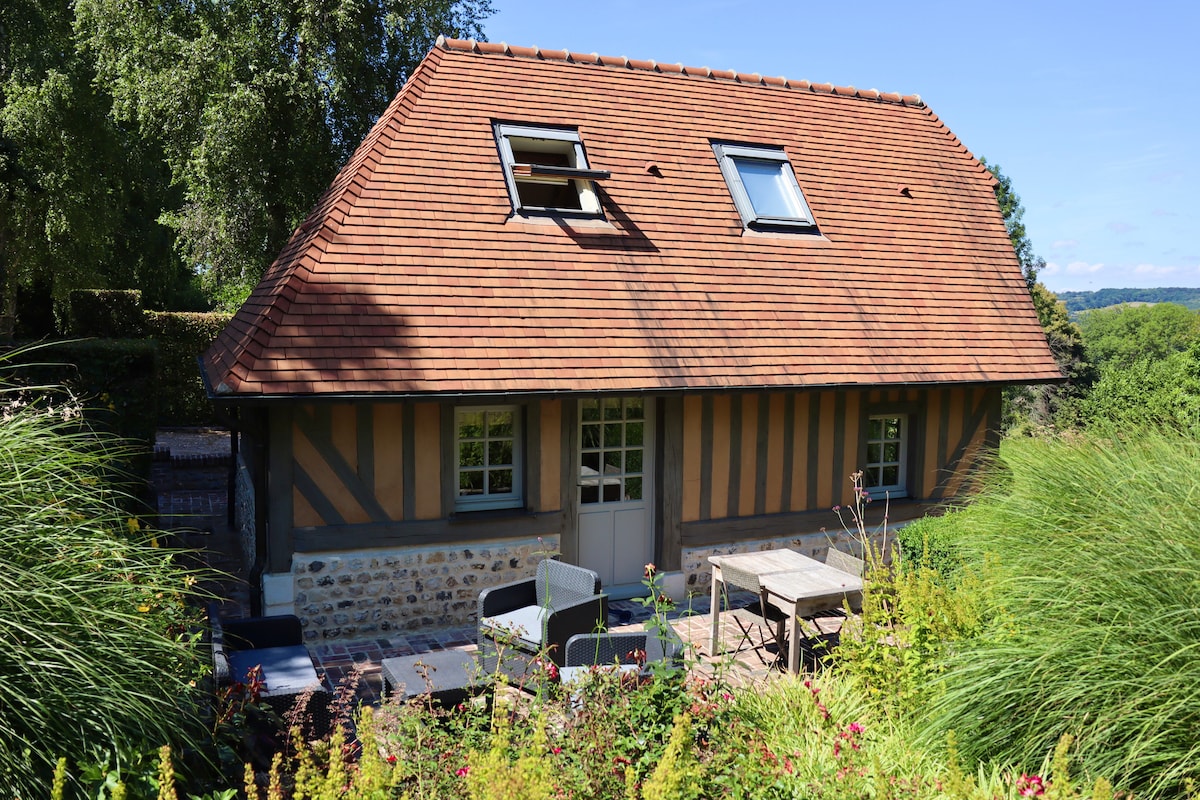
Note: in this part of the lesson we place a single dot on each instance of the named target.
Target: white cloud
(1083, 268)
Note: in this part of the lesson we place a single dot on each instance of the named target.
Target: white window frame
(728, 156)
(480, 502)
(589, 200)
(900, 488)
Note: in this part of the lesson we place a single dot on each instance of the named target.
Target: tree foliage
(79, 193)
(257, 102)
(1103, 298)
(1040, 405)
(1150, 391)
(1121, 335)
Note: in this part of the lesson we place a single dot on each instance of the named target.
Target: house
(624, 311)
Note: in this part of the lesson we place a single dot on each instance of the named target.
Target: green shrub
(182, 338)
(929, 543)
(1093, 582)
(96, 658)
(106, 314)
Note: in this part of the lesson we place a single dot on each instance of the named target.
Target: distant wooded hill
(1082, 301)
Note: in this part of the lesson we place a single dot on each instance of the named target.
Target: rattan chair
(540, 614)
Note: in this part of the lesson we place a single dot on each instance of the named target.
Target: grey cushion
(524, 624)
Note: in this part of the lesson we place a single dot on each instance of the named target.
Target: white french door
(615, 461)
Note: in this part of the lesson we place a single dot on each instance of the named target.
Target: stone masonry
(367, 594)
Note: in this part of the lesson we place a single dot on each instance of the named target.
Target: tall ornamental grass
(1093, 585)
(96, 662)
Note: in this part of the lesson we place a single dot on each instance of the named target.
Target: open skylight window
(546, 170)
(763, 186)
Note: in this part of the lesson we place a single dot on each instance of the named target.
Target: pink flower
(462, 771)
(1030, 785)
(391, 759)
(854, 727)
(556, 750)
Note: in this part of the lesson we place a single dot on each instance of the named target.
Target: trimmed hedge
(182, 337)
(106, 314)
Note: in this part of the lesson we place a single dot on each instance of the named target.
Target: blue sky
(1088, 107)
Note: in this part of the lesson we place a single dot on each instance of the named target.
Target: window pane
(590, 410)
(770, 191)
(633, 409)
(591, 435)
(891, 428)
(590, 462)
(633, 434)
(873, 453)
(633, 488)
(589, 494)
(874, 428)
(891, 451)
(612, 408)
(500, 481)
(871, 477)
(612, 462)
(890, 476)
(612, 434)
(500, 452)
(470, 454)
(470, 482)
(612, 490)
(500, 424)
(633, 460)
(470, 425)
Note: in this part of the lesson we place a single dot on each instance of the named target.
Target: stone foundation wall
(243, 510)
(363, 595)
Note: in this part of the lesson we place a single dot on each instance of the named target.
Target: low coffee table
(447, 675)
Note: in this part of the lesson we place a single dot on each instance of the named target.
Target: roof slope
(412, 274)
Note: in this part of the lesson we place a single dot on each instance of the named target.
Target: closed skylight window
(547, 171)
(763, 186)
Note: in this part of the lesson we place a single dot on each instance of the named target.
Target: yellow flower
(143, 608)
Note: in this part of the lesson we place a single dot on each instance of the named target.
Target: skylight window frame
(727, 157)
(581, 175)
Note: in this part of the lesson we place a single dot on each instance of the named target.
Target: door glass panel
(612, 434)
(591, 436)
(633, 434)
(470, 425)
(611, 449)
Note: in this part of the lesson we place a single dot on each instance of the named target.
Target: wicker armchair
(658, 643)
(276, 646)
(540, 614)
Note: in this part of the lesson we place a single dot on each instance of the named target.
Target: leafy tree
(79, 194)
(258, 102)
(1014, 214)
(1149, 391)
(1123, 334)
(1040, 405)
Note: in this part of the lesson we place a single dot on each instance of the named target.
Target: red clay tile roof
(412, 274)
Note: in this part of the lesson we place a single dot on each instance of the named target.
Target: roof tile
(411, 274)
